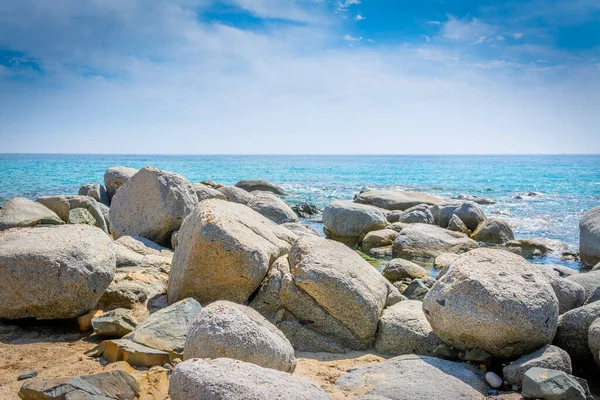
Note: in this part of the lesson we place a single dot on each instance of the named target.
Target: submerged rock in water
(229, 379)
(474, 199)
(396, 200)
(493, 300)
(20, 212)
(53, 272)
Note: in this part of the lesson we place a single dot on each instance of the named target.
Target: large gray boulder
(589, 280)
(96, 192)
(380, 238)
(204, 192)
(418, 214)
(403, 329)
(493, 300)
(263, 186)
(494, 231)
(53, 272)
(412, 377)
(589, 237)
(167, 329)
(399, 269)
(230, 330)
(347, 222)
(594, 340)
(457, 225)
(227, 379)
(224, 251)
(272, 207)
(573, 329)
(300, 229)
(62, 206)
(425, 242)
(396, 200)
(20, 212)
(471, 214)
(570, 294)
(116, 177)
(151, 204)
(235, 194)
(324, 296)
(546, 357)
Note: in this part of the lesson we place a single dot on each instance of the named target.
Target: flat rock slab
(396, 200)
(135, 354)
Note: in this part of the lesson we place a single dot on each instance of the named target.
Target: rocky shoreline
(205, 291)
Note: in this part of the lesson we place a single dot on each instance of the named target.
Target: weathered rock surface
(96, 192)
(418, 214)
(589, 237)
(493, 230)
(380, 238)
(572, 332)
(81, 216)
(235, 194)
(53, 272)
(263, 186)
(305, 209)
(103, 386)
(570, 294)
(529, 248)
(594, 340)
(543, 383)
(116, 323)
(62, 205)
(225, 329)
(444, 260)
(412, 377)
(224, 251)
(135, 354)
(471, 214)
(549, 356)
(116, 177)
(589, 280)
(212, 184)
(20, 212)
(457, 225)
(204, 192)
(495, 301)
(347, 222)
(272, 207)
(403, 329)
(167, 329)
(396, 200)
(423, 241)
(300, 229)
(398, 269)
(229, 379)
(151, 204)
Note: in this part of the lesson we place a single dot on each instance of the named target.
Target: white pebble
(494, 380)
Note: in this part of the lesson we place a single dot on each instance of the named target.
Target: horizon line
(300, 154)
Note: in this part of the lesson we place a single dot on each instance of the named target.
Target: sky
(300, 77)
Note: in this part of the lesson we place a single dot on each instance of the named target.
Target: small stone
(446, 352)
(85, 321)
(416, 290)
(134, 353)
(494, 380)
(27, 375)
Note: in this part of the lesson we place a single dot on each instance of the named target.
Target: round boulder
(380, 238)
(206, 192)
(235, 194)
(398, 269)
(594, 340)
(54, 272)
(151, 204)
(116, 177)
(573, 330)
(347, 222)
(424, 241)
(493, 300)
(225, 329)
(20, 212)
(493, 230)
(263, 186)
(272, 207)
(471, 214)
(589, 237)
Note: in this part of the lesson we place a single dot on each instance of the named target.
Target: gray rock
(412, 377)
(305, 209)
(471, 214)
(572, 332)
(396, 200)
(444, 260)
(416, 290)
(167, 329)
(380, 238)
(272, 207)
(493, 300)
(418, 214)
(116, 323)
(474, 199)
(570, 294)
(457, 225)
(494, 231)
(263, 186)
(53, 272)
(544, 383)
(58, 204)
(20, 212)
(235, 194)
(224, 251)
(528, 248)
(549, 356)
(224, 378)
(212, 184)
(347, 222)
(403, 329)
(151, 204)
(95, 191)
(135, 354)
(132, 289)
(442, 213)
(594, 296)
(116, 177)
(425, 242)
(398, 269)
(382, 252)
(225, 329)
(205, 192)
(594, 340)
(589, 280)
(589, 237)
(62, 205)
(103, 386)
(27, 375)
(300, 229)
(81, 216)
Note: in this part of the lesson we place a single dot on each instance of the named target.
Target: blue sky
(305, 76)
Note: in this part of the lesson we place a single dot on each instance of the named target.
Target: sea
(567, 185)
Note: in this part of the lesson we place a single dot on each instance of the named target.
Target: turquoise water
(570, 185)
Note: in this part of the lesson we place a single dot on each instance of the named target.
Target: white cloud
(343, 5)
(359, 17)
(352, 40)
(434, 22)
(500, 37)
(517, 35)
(465, 29)
(480, 40)
(427, 38)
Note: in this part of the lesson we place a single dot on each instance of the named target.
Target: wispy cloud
(359, 17)
(517, 35)
(343, 5)
(352, 40)
(465, 29)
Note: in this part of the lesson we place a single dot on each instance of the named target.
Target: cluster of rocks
(233, 284)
